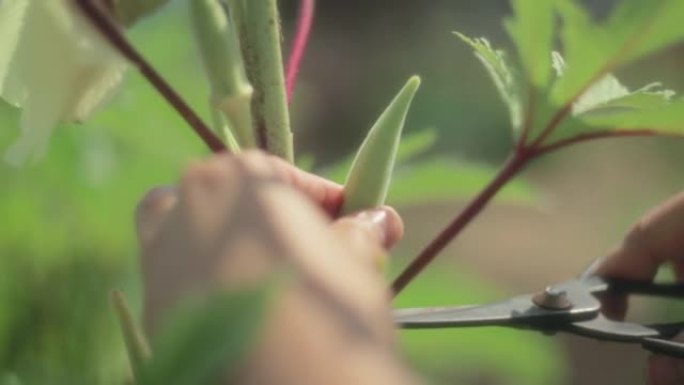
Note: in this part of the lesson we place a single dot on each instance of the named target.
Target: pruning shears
(571, 307)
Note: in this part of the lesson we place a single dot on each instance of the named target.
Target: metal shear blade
(569, 307)
(525, 311)
(519, 311)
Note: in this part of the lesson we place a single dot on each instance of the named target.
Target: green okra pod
(369, 176)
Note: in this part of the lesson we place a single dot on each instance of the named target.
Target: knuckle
(637, 236)
(260, 164)
(155, 199)
(207, 173)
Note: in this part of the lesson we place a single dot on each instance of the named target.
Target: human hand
(656, 239)
(233, 220)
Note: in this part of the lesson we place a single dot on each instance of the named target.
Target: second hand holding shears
(571, 307)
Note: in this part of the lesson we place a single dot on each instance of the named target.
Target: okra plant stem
(260, 42)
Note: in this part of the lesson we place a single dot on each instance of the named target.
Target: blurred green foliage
(68, 237)
(68, 232)
(68, 222)
(206, 337)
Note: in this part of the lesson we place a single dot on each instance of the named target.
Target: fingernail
(376, 219)
(386, 223)
(592, 268)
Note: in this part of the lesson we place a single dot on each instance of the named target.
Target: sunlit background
(67, 235)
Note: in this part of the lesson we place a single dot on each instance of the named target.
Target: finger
(657, 238)
(664, 370)
(370, 232)
(326, 194)
(152, 210)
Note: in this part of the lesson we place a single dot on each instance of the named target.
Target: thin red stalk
(299, 44)
(599, 135)
(512, 166)
(113, 34)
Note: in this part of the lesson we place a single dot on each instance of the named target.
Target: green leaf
(136, 343)
(635, 29)
(610, 105)
(371, 171)
(501, 73)
(532, 31)
(648, 97)
(666, 119)
(444, 179)
(206, 338)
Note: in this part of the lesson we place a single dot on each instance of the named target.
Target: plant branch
(617, 133)
(512, 166)
(301, 39)
(113, 34)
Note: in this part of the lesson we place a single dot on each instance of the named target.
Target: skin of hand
(656, 239)
(233, 221)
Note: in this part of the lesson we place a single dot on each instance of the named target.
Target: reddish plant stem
(521, 157)
(599, 135)
(303, 31)
(509, 169)
(113, 34)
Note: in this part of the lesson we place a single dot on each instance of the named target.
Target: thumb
(369, 233)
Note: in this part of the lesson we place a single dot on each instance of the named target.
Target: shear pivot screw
(552, 299)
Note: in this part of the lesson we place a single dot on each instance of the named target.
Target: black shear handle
(631, 286)
(664, 347)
